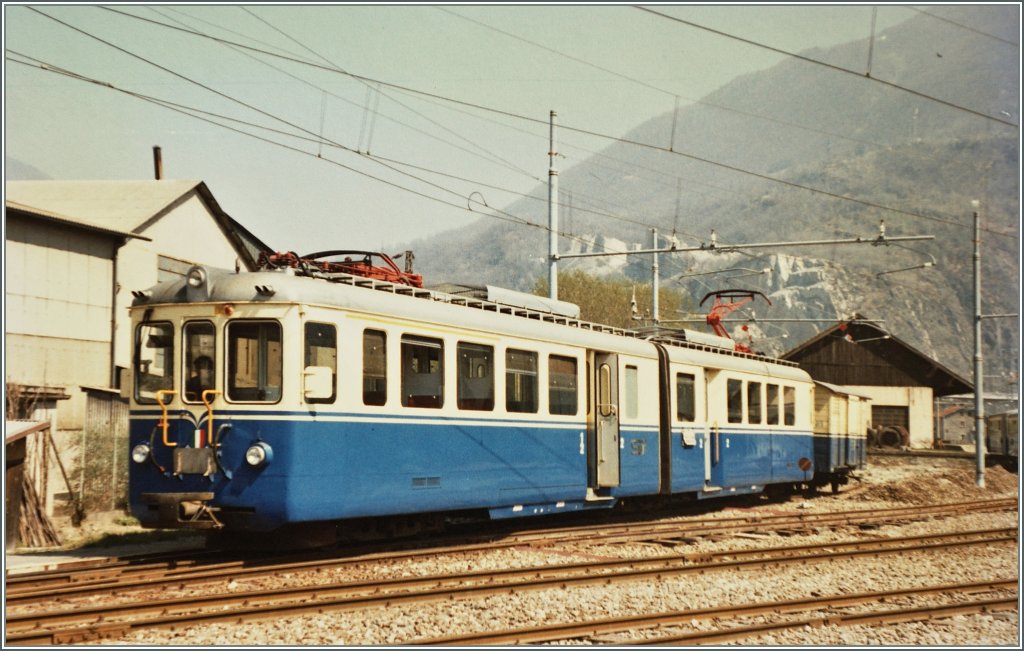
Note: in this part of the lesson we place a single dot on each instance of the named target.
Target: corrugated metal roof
(14, 205)
(125, 208)
(835, 388)
(19, 429)
(114, 206)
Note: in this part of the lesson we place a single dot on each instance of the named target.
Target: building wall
(58, 309)
(918, 400)
(188, 233)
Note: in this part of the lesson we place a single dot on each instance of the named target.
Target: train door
(716, 442)
(604, 381)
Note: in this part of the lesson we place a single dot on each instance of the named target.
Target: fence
(103, 462)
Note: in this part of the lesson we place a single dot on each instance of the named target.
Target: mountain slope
(862, 140)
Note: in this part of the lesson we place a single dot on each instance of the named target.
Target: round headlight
(196, 276)
(140, 453)
(258, 454)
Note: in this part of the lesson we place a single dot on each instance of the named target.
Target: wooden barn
(901, 381)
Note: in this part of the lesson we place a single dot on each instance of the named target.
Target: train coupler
(182, 511)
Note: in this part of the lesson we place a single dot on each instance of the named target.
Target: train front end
(206, 381)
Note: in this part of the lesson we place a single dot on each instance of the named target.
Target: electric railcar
(265, 400)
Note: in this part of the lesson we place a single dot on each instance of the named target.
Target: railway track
(728, 619)
(125, 575)
(78, 623)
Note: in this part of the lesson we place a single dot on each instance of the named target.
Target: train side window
(734, 389)
(686, 397)
(254, 361)
(772, 402)
(422, 372)
(476, 377)
(789, 405)
(154, 360)
(375, 364)
(632, 392)
(200, 340)
(754, 403)
(322, 350)
(563, 398)
(521, 391)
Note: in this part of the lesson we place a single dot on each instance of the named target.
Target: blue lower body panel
(336, 469)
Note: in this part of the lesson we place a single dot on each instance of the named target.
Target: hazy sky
(603, 68)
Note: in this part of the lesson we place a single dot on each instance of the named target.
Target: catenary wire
(832, 67)
(499, 214)
(497, 111)
(482, 154)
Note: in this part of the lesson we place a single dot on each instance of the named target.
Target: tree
(607, 301)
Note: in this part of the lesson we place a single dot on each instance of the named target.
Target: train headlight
(259, 454)
(140, 453)
(196, 277)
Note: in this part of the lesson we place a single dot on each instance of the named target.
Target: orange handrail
(209, 414)
(164, 423)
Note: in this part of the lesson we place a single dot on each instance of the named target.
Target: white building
(75, 250)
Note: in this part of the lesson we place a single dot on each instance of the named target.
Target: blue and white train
(298, 399)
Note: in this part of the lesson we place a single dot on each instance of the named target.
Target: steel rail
(891, 616)
(128, 576)
(97, 622)
(567, 631)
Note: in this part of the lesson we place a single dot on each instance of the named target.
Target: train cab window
(321, 349)
(632, 392)
(734, 389)
(200, 339)
(754, 403)
(686, 397)
(375, 364)
(154, 361)
(521, 392)
(422, 372)
(562, 386)
(254, 371)
(772, 403)
(789, 405)
(476, 377)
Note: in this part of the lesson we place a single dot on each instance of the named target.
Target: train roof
(209, 284)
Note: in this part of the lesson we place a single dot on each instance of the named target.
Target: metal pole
(979, 393)
(552, 216)
(655, 315)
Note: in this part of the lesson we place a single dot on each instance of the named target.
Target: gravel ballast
(886, 482)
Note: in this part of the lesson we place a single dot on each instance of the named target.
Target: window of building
(255, 357)
(686, 397)
(422, 372)
(154, 360)
(375, 364)
(321, 349)
(734, 389)
(521, 394)
(200, 339)
(476, 377)
(754, 403)
(562, 386)
(772, 402)
(632, 392)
